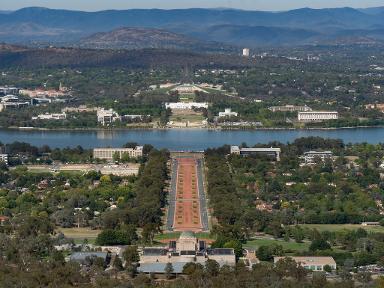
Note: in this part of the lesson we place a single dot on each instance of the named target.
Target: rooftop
(310, 260)
(221, 251)
(160, 267)
(259, 149)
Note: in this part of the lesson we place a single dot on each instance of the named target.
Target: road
(202, 195)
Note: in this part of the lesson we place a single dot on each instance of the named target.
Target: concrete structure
(316, 116)
(134, 117)
(378, 106)
(120, 170)
(314, 263)
(163, 86)
(184, 250)
(80, 109)
(311, 156)
(274, 152)
(4, 158)
(185, 105)
(107, 153)
(53, 116)
(370, 224)
(246, 52)
(241, 124)
(187, 89)
(290, 108)
(228, 113)
(107, 116)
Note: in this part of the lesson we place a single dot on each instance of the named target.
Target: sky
(272, 5)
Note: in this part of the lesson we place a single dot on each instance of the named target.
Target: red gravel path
(187, 215)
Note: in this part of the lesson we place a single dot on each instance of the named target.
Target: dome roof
(187, 235)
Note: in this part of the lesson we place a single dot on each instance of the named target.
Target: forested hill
(14, 56)
(252, 28)
(141, 38)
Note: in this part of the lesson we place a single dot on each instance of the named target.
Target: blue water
(182, 139)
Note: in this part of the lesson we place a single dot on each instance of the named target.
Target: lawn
(186, 118)
(254, 244)
(187, 97)
(339, 227)
(79, 234)
(39, 170)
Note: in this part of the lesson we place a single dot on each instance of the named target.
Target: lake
(182, 139)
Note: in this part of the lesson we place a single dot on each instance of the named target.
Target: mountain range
(179, 28)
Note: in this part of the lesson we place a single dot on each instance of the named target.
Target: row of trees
(328, 192)
(285, 273)
(143, 208)
(227, 205)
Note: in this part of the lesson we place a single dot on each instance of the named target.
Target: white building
(185, 105)
(316, 116)
(187, 89)
(9, 98)
(4, 158)
(290, 108)
(311, 156)
(107, 116)
(228, 113)
(79, 109)
(8, 90)
(313, 263)
(53, 116)
(107, 153)
(246, 52)
(11, 101)
(120, 170)
(163, 86)
(131, 117)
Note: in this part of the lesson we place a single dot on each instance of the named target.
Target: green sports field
(255, 244)
(79, 234)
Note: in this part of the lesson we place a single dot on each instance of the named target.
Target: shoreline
(183, 128)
